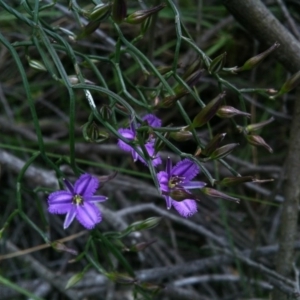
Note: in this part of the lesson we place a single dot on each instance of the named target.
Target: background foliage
(55, 75)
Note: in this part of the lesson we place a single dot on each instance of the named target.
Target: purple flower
(176, 182)
(78, 201)
(130, 134)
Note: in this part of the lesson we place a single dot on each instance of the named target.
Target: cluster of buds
(212, 150)
(254, 139)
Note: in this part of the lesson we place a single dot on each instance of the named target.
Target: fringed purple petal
(88, 215)
(185, 208)
(60, 202)
(96, 198)
(86, 185)
(169, 166)
(185, 168)
(69, 186)
(128, 134)
(70, 216)
(163, 181)
(193, 185)
(152, 120)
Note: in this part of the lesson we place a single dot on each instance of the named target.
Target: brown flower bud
(181, 136)
(213, 144)
(217, 64)
(256, 140)
(257, 126)
(141, 15)
(217, 194)
(222, 151)
(254, 61)
(226, 111)
(208, 111)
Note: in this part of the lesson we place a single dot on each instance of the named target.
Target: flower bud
(213, 144)
(208, 111)
(290, 84)
(226, 112)
(222, 151)
(92, 133)
(145, 26)
(181, 136)
(121, 278)
(257, 126)
(36, 64)
(170, 100)
(74, 80)
(63, 248)
(217, 194)
(256, 140)
(119, 10)
(196, 65)
(191, 81)
(231, 181)
(145, 224)
(217, 64)
(100, 12)
(74, 279)
(141, 246)
(105, 112)
(141, 15)
(254, 61)
(164, 69)
(88, 29)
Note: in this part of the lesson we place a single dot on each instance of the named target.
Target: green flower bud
(145, 26)
(226, 111)
(145, 224)
(36, 64)
(141, 15)
(213, 144)
(217, 194)
(222, 152)
(63, 248)
(254, 61)
(121, 278)
(290, 84)
(88, 29)
(170, 100)
(257, 126)
(256, 140)
(100, 12)
(74, 80)
(196, 65)
(181, 136)
(217, 64)
(74, 279)
(92, 133)
(119, 10)
(208, 111)
(105, 112)
(191, 81)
